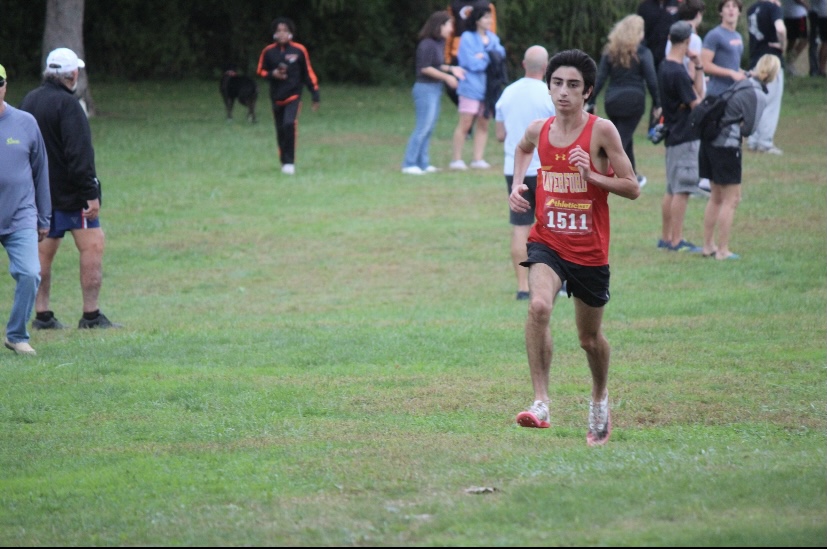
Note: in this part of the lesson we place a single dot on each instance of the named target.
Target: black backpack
(496, 79)
(707, 119)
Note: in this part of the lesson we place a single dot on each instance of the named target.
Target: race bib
(569, 215)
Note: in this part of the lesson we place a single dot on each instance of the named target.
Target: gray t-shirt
(25, 202)
(728, 47)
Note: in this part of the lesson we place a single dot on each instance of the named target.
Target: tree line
(350, 41)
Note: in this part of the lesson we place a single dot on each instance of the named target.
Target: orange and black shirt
(299, 72)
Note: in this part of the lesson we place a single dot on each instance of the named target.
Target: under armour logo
(560, 156)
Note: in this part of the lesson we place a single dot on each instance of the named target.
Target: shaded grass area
(335, 358)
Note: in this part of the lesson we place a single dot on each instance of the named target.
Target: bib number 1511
(570, 216)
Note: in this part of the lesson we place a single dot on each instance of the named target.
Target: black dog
(236, 86)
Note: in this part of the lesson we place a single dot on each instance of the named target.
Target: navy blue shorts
(68, 220)
(588, 284)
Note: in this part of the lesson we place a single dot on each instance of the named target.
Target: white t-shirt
(520, 104)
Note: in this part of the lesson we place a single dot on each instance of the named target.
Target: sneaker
(770, 150)
(522, 296)
(51, 324)
(536, 416)
(431, 169)
(563, 291)
(21, 347)
(663, 244)
(480, 165)
(458, 165)
(600, 423)
(641, 181)
(289, 169)
(100, 322)
(412, 170)
(685, 246)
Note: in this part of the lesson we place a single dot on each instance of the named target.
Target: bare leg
(677, 215)
(544, 284)
(47, 248)
(480, 137)
(731, 197)
(589, 321)
(666, 217)
(519, 236)
(463, 125)
(90, 243)
(711, 215)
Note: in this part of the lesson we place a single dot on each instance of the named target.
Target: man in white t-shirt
(521, 103)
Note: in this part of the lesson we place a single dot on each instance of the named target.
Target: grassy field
(336, 358)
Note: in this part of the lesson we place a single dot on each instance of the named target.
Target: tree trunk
(64, 29)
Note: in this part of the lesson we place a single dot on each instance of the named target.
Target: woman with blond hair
(630, 68)
(720, 159)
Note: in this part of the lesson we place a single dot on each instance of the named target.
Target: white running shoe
(431, 169)
(458, 165)
(536, 416)
(600, 422)
(480, 165)
(412, 170)
(289, 169)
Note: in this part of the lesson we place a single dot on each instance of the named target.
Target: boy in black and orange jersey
(286, 65)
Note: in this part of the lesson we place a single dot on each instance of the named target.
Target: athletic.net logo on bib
(569, 215)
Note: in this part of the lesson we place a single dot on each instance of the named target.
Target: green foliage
(349, 42)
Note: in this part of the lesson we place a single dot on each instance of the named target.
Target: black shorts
(525, 218)
(796, 28)
(721, 165)
(588, 284)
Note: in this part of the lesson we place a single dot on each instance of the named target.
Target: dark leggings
(625, 109)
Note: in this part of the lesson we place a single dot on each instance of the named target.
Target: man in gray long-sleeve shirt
(25, 211)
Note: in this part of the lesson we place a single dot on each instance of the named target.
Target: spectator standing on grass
(286, 65)
(692, 11)
(721, 159)
(521, 103)
(679, 95)
(75, 189)
(629, 68)
(767, 35)
(432, 74)
(723, 47)
(475, 50)
(582, 162)
(25, 211)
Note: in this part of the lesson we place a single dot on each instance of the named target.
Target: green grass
(336, 357)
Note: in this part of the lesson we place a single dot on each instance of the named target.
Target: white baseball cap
(63, 60)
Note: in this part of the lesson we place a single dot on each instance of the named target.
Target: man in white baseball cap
(74, 185)
(63, 60)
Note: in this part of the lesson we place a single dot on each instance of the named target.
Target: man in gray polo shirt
(25, 211)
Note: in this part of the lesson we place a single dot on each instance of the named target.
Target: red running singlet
(572, 215)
